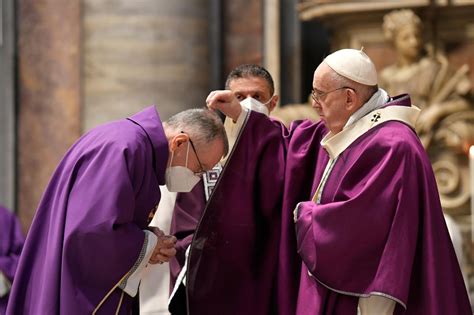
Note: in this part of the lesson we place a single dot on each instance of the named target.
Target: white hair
(202, 125)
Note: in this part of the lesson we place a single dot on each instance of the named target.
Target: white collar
(376, 101)
(335, 144)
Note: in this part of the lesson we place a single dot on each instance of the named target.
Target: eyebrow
(248, 92)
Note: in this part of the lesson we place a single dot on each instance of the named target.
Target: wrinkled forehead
(250, 85)
(322, 76)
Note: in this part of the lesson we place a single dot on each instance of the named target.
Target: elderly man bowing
(89, 241)
(370, 233)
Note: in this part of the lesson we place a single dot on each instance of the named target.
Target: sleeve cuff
(296, 212)
(5, 285)
(376, 304)
(130, 284)
(243, 114)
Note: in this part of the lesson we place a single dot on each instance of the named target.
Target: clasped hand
(165, 247)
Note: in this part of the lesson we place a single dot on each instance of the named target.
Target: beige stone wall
(143, 52)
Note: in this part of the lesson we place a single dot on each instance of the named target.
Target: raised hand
(226, 102)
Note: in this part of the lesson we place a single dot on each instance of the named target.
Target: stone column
(271, 40)
(7, 107)
(139, 53)
(48, 93)
(243, 33)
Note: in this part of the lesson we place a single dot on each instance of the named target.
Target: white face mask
(180, 178)
(255, 105)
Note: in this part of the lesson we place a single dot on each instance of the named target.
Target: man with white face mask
(253, 86)
(89, 242)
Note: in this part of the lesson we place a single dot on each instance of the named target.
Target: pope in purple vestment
(361, 217)
(89, 232)
(378, 228)
(11, 243)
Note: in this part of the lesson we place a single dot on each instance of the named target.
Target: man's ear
(273, 103)
(352, 100)
(177, 140)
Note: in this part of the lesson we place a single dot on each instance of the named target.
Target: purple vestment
(11, 243)
(379, 228)
(87, 233)
(232, 263)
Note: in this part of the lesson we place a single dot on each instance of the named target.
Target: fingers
(164, 249)
(226, 102)
(217, 99)
(158, 259)
(156, 231)
(169, 239)
(166, 241)
(168, 253)
(163, 255)
(210, 96)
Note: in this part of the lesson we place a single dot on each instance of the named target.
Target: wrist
(236, 113)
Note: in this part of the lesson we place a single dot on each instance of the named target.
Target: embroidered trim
(123, 284)
(364, 295)
(123, 280)
(327, 171)
(210, 179)
(335, 144)
(246, 118)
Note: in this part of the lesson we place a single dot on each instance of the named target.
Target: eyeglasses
(317, 96)
(201, 171)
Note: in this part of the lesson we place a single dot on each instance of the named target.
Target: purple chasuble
(11, 243)
(379, 228)
(232, 263)
(87, 231)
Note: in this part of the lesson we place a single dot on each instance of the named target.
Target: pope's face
(408, 41)
(331, 99)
